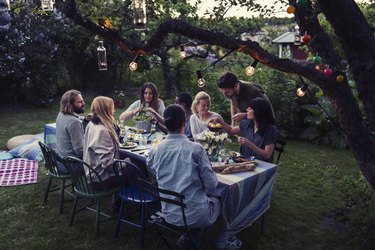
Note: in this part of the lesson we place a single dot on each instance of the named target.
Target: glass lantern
(139, 10)
(4, 5)
(102, 57)
(47, 5)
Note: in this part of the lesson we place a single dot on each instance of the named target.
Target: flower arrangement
(212, 142)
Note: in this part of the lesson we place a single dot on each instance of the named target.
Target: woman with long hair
(201, 114)
(258, 133)
(148, 101)
(101, 142)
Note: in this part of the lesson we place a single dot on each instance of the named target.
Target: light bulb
(301, 92)
(182, 54)
(201, 82)
(250, 70)
(133, 66)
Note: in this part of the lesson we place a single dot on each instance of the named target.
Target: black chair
(130, 193)
(279, 148)
(50, 162)
(157, 217)
(83, 188)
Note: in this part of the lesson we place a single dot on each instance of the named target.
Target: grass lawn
(320, 201)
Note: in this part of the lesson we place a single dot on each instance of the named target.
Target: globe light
(182, 52)
(201, 81)
(301, 91)
(133, 66)
(251, 69)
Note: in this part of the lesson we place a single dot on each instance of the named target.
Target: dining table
(245, 196)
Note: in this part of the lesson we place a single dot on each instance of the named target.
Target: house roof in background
(287, 37)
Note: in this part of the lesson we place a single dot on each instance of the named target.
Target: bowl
(212, 128)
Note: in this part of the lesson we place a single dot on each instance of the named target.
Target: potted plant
(143, 120)
(119, 99)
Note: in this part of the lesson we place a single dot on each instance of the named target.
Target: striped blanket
(18, 171)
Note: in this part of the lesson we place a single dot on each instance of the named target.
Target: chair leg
(47, 190)
(73, 213)
(142, 225)
(263, 223)
(97, 218)
(62, 190)
(119, 217)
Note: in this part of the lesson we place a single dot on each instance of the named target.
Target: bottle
(102, 57)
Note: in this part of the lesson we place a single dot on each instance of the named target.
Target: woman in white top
(201, 114)
(148, 101)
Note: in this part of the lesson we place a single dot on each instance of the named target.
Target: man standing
(239, 93)
(69, 127)
(183, 166)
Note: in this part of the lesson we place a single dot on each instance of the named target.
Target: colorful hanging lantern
(328, 72)
(4, 5)
(47, 5)
(139, 10)
(317, 67)
(306, 38)
(301, 3)
(102, 57)
(340, 78)
(317, 59)
(290, 9)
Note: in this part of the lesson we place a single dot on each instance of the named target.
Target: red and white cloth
(18, 171)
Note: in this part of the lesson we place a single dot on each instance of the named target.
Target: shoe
(228, 241)
(185, 242)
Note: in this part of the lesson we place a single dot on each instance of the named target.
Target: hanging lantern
(251, 69)
(297, 35)
(139, 10)
(317, 59)
(102, 57)
(47, 5)
(327, 72)
(301, 3)
(340, 78)
(306, 38)
(201, 81)
(290, 9)
(4, 5)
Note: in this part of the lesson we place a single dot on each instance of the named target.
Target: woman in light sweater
(101, 143)
(201, 114)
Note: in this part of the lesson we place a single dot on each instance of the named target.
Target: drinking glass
(143, 141)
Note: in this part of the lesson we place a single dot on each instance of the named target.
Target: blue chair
(83, 189)
(128, 174)
(50, 163)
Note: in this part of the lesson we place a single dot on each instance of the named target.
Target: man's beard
(79, 110)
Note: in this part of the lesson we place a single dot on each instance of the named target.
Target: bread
(239, 168)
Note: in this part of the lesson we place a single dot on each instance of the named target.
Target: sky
(237, 11)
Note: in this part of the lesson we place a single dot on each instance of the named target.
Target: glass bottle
(102, 57)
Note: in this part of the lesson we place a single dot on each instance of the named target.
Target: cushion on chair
(18, 140)
(30, 149)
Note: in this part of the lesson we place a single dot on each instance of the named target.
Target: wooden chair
(157, 217)
(51, 158)
(83, 188)
(130, 193)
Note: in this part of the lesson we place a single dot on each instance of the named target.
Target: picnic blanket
(18, 172)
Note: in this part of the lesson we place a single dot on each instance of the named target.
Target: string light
(251, 69)
(301, 91)
(182, 52)
(134, 64)
(201, 81)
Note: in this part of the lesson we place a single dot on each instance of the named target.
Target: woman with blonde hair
(101, 142)
(201, 114)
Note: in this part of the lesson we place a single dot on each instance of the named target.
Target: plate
(241, 158)
(129, 145)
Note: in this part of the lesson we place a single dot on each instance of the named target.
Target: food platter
(241, 158)
(129, 145)
(214, 127)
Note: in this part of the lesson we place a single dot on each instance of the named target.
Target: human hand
(243, 141)
(238, 117)
(136, 110)
(151, 110)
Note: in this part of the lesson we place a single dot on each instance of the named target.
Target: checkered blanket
(18, 171)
